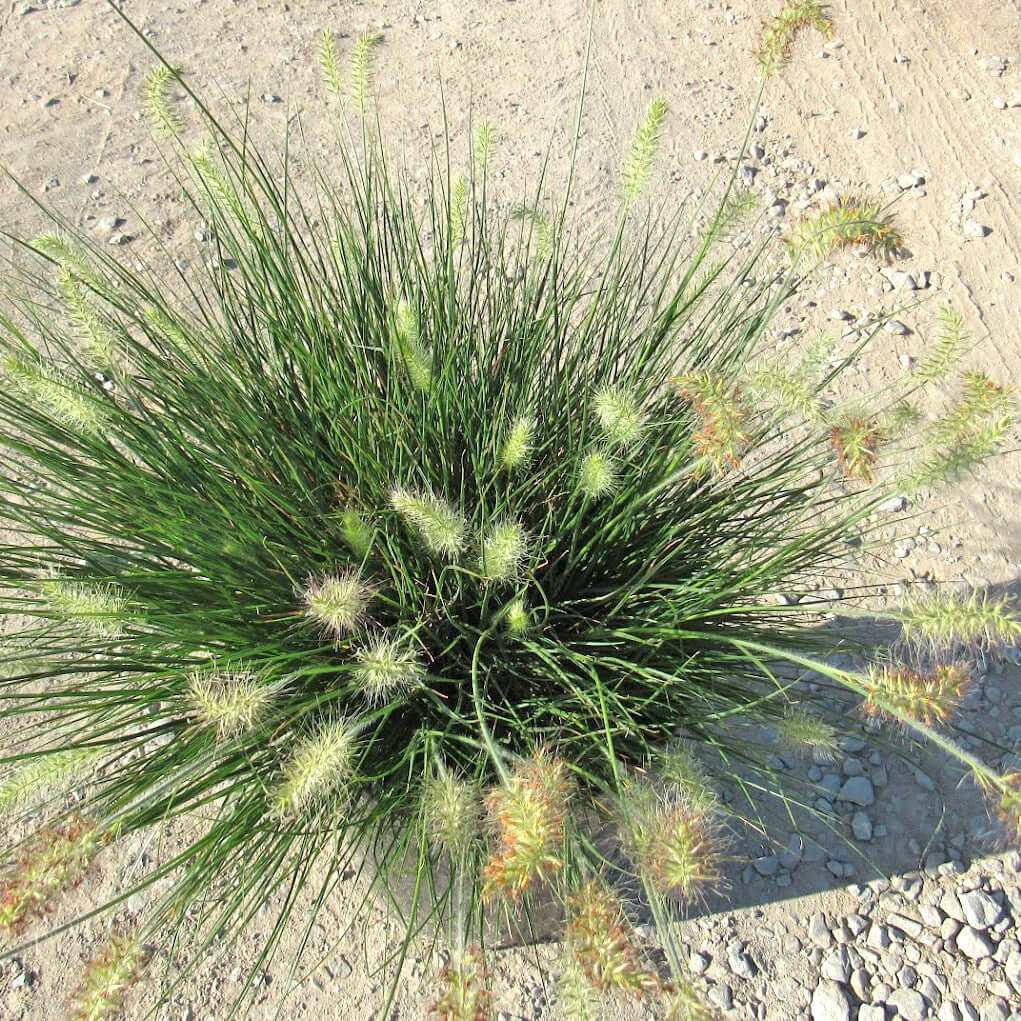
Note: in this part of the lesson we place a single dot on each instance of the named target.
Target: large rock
(974, 944)
(910, 1004)
(980, 910)
(830, 1002)
(858, 790)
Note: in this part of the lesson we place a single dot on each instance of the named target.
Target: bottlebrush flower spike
(440, 527)
(676, 842)
(517, 448)
(408, 340)
(800, 730)
(948, 620)
(527, 816)
(857, 441)
(901, 694)
(852, 220)
(619, 415)
(721, 408)
(54, 394)
(230, 702)
(57, 859)
(774, 50)
(503, 549)
(644, 149)
(338, 601)
(601, 940)
(518, 617)
(317, 772)
(453, 813)
(108, 978)
(96, 609)
(464, 985)
(388, 665)
(685, 777)
(598, 475)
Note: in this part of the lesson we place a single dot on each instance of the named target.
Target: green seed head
(356, 533)
(317, 772)
(388, 666)
(232, 702)
(453, 813)
(619, 415)
(97, 610)
(338, 601)
(598, 476)
(503, 549)
(439, 526)
(518, 618)
(517, 448)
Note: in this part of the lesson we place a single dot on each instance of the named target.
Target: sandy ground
(929, 90)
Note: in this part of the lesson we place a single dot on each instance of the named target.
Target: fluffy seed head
(644, 149)
(902, 695)
(45, 774)
(598, 475)
(518, 617)
(503, 549)
(338, 601)
(317, 772)
(388, 666)
(676, 842)
(440, 527)
(684, 775)
(800, 730)
(413, 353)
(723, 413)
(774, 50)
(464, 990)
(108, 978)
(857, 441)
(602, 942)
(948, 620)
(619, 415)
(517, 448)
(57, 859)
(527, 815)
(230, 702)
(54, 394)
(453, 813)
(95, 609)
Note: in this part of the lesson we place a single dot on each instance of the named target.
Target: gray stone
(830, 1002)
(858, 791)
(861, 826)
(698, 963)
(909, 1003)
(767, 865)
(722, 996)
(974, 944)
(980, 910)
(950, 905)
(741, 964)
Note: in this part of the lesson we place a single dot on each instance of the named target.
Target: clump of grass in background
(438, 536)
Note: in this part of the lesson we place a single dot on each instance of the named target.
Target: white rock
(861, 826)
(910, 180)
(910, 1004)
(896, 327)
(830, 1003)
(974, 229)
(974, 944)
(870, 1012)
(980, 910)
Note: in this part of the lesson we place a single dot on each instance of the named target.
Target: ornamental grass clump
(407, 533)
